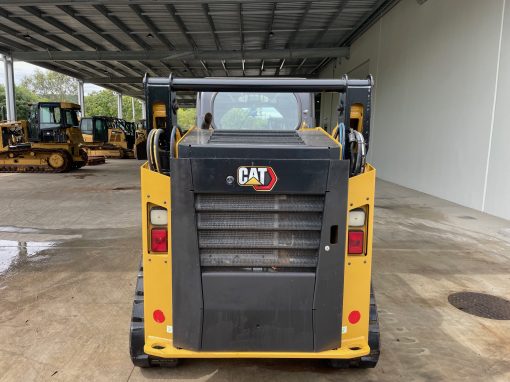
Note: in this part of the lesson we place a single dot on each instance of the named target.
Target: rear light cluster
(356, 240)
(356, 236)
(158, 218)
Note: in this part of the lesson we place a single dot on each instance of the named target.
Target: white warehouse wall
(497, 200)
(437, 98)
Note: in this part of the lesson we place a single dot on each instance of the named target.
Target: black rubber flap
(329, 282)
(186, 280)
(258, 311)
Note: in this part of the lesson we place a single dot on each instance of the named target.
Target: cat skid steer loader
(257, 230)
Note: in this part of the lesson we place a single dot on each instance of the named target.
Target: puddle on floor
(15, 252)
(11, 229)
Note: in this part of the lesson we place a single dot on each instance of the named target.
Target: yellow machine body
(243, 253)
(108, 139)
(20, 155)
(155, 190)
(159, 120)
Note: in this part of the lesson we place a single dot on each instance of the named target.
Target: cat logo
(261, 178)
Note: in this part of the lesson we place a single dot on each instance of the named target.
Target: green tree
(187, 118)
(24, 97)
(127, 110)
(104, 102)
(52, 86)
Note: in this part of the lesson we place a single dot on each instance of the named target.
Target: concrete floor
(69, 252)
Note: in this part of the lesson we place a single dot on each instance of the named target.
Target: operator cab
(48, 121)
(94, 129)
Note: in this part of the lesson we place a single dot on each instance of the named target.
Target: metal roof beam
(92, 27)
(155, 31)
(210, 21)
(170, 69)
(224, 65)
(204, 65)
(241, 26)
(16, 34)
(212, 27)
(375, 13)
(268, 35)
(64, 28)
(293, 36)
(299, 24)
(122, 2)
(10, 44)
(322, 33)
(40, 31)
(179, 55)
(185, 32)
(152, 27)
(182, 27)
(53, 21)
(119, 24)
(75, 73)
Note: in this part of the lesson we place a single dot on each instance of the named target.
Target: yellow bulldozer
(256, 229)
(49, 141)
(107, 136)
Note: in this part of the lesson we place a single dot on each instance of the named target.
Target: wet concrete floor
(69, 253)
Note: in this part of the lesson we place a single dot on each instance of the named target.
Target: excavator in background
(49, 141)
(107, 136)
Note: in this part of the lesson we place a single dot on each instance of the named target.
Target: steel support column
(119, 105)
(133, 108)
(144, 114)
(81, 97)
(10, 92)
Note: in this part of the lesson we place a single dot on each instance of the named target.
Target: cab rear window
(256, 111)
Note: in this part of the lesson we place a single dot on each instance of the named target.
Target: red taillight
(159, 240)
(158, 316)
(356, 239)
(354, 317)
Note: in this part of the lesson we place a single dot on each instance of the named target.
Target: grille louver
(259, 230)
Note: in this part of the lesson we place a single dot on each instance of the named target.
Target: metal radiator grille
(259, 230)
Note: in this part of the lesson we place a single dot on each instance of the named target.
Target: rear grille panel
(236, 230)
(259, 203)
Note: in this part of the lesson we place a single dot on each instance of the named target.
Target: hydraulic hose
(156, 150)
(150, 154)
(357, 149)
(341, 137)
(173, 136)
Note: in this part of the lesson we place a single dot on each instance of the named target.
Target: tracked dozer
(256, 229)
(96, 131)
(48, 142)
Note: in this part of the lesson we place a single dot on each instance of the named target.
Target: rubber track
(21, 168)
(137, 333)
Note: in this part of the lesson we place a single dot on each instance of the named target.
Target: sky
(22, 69)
